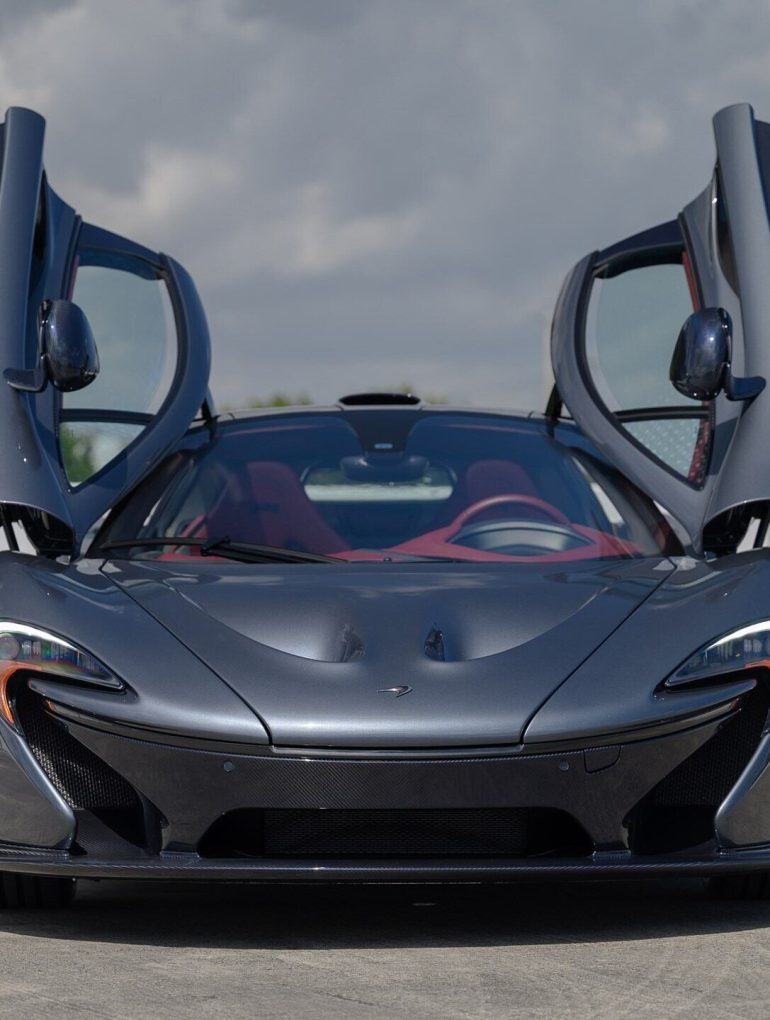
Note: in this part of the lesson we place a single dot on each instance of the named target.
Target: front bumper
(145, 808)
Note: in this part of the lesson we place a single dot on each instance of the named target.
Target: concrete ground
(149, 950)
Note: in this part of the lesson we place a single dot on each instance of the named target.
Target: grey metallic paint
(619, 686)
(32, 812)
(169, 688)
(742, 817)
(276, 634)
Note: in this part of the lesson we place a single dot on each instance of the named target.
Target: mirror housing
(67, 345)
(700, 365)
(68, 355)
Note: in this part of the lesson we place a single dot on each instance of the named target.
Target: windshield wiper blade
(227, 547)
(245, 552)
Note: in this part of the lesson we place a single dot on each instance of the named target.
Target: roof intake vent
(379, 399)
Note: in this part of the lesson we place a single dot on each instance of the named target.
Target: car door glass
(131, 316)
(632, 323)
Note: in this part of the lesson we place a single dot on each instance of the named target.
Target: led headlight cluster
(28, 648)
(742, 649)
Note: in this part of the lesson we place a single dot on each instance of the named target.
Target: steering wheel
(520, 538)
(485, 504)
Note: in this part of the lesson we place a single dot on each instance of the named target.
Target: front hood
(314, 650)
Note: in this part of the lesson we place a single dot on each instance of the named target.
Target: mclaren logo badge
(398, 691)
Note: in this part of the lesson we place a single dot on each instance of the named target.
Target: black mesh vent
(82, 779)
(679, 811)
(509, 832)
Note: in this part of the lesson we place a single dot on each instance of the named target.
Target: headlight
(28, 648)
(742, 649)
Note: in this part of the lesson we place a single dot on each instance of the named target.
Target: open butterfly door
(616, 325)
(69, 454)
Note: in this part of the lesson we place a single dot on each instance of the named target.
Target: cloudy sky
(375, 191)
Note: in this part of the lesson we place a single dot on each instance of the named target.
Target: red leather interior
(272, 509)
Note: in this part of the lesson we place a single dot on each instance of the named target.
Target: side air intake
(679, 811)
(82, 779)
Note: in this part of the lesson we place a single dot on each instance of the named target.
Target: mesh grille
(679, 811)
(395, 832)
(510, 832)
(82, 779)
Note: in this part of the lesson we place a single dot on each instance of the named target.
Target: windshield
(389, 486)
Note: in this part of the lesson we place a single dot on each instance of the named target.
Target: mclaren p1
(384, 640)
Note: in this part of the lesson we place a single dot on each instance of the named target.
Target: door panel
(617, 320)
(68, 458)
(631, 318)
(130, 312)
(132, 315)
(146, 411)
(624, 435)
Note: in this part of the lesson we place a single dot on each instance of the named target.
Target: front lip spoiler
(188, 866)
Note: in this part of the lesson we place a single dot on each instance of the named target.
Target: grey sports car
(384, 640)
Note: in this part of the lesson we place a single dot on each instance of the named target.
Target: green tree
(77, 455)
(281, 398)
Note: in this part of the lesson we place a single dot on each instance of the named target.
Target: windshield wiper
(245, 552)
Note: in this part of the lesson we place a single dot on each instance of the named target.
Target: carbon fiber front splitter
(184, 866)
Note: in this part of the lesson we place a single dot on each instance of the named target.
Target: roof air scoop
(379, 400)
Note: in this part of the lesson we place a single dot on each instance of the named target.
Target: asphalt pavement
(380, 953)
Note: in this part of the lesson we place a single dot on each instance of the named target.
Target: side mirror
(67, 345)
(702, 353)
(700, 367)
(68, 356)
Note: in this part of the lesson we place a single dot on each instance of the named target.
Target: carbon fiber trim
(616, 867)
(192, 789)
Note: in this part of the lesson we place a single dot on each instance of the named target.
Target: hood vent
(434, 645)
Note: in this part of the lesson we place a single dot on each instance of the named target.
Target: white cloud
(172, 186)
(322, 243)
(374, 189)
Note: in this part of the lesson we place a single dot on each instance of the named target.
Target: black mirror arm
(30, 380)
(743, 389)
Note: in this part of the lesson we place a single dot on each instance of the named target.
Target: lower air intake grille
(82, 779)
(679, 811)
(510, 832)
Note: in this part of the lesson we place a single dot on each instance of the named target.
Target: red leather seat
(496, 478)
(273, 509)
